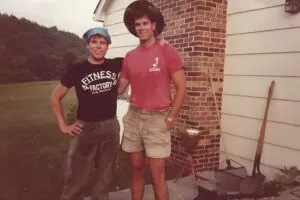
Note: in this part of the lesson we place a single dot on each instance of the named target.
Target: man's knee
(157, 165)
(138, 161)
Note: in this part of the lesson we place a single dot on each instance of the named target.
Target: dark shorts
(89, 169)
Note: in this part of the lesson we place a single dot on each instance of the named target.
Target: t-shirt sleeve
(124, 71)
(174, 61)
(68, 78)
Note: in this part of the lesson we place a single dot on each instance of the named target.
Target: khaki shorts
(145, 130)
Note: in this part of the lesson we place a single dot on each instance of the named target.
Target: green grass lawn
(31, 147)
(32, 150)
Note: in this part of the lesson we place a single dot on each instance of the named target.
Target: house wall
(262, 45)
(122, 40)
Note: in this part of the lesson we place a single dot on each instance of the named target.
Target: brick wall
(197, 29)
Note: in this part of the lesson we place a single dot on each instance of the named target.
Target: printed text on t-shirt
(96, 88)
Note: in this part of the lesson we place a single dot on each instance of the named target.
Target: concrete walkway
(285, 195)
(184, 189)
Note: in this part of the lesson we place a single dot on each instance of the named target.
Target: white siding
(279, 134)
(122, 40)
(117, 5)
(236, 6)
(280, 110)
(262, 45)
(263, 64)
(285, 87)
(275, 16)
(279, 41)
(117, 29)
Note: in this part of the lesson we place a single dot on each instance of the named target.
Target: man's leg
(157, 141)
(157, 167)
(105, 171)
(79, 167)
(138, 162)
(106, 158)
(132, 143)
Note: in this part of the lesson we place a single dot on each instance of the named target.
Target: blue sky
(71, 15)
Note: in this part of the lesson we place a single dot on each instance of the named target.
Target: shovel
(254, 184)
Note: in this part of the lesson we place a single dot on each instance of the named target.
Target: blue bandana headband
(97, 31)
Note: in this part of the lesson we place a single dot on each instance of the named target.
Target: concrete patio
(184, 189)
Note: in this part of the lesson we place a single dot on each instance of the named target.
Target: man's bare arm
(56, 97)
(178, 79)
(122, 85)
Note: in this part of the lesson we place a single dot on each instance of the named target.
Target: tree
(29, 51)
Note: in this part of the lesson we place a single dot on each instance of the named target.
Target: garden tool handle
(260, 142)
(217, 110)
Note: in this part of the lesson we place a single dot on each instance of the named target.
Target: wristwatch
(169, 119)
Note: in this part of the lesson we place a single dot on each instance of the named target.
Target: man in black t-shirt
(95, 132)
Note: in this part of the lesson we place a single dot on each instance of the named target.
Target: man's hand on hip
(73, 130)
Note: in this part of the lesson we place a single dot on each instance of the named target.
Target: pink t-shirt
(148, 71)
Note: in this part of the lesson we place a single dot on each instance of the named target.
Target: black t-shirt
(96, 88)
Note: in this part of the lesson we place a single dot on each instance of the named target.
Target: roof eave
(100, 10)
(97, 6)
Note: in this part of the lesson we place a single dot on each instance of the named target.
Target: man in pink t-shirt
(149, 69)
